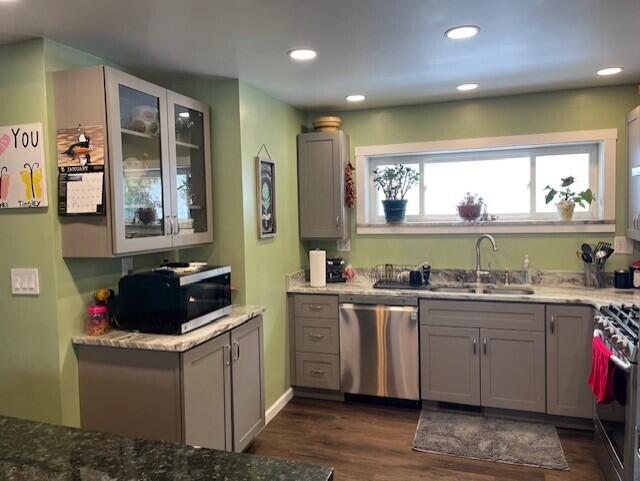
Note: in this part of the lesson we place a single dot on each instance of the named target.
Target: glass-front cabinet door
(140, 170)
(191, 196)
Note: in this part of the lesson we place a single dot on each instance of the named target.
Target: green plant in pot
(470, 207)
(568, 198)
(394, 182)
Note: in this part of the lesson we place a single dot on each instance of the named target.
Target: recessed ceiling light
(609, 71)
(465, 87)
(302, 54)
(355, 98)
(462, 32)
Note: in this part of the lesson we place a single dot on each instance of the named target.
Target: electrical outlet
(343, 245)
(24, 282)
(622, 245)
(127, 265)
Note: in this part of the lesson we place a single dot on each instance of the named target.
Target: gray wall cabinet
(157, 163)
(569, 333)
(633, 145)
(450, 364)
(210, 396)
(322, 157)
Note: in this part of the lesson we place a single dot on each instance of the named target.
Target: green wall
(582, 109)
(29, 376)
(265, 120)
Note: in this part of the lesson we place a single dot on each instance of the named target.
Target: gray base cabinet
(210, 396)
(513, 370)
(316, 342)
(633, 146)
(450, 364)
(569, 333)
(481, 353)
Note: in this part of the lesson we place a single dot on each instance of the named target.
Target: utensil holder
(594, 275)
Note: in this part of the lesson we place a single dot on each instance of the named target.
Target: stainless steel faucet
(479, 271)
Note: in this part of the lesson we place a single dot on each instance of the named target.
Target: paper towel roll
(318, 268)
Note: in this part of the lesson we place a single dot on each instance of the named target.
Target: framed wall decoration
(23, 182)
(266, 197)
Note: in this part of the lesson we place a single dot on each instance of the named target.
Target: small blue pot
(394, 210)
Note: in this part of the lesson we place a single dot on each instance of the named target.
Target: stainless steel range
(616, 423)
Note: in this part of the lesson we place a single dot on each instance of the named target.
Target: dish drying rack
(395, 276)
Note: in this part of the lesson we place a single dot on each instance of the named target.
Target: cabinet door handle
(168, 222)
(227, 355)
(176, 229)
(236, 351)
(316, 372)
(338, 222)
(475, 346)
(315, 308)
(552, 325)
(635, 221)
(484, 346)
(316, 336)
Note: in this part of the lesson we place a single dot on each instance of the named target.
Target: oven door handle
(620, 363)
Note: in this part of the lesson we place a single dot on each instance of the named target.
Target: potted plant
(568, 198)
(395, 181)
(470, 207)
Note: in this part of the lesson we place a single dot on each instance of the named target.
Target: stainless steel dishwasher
(379, 347)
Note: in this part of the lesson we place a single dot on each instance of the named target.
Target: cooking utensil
(586, 248)
(588, 258)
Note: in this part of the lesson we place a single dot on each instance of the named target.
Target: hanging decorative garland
(349, 185)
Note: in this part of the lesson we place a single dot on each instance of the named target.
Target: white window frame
(600, 217)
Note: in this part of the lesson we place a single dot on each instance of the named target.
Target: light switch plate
(623, 245)
(25, 282)
(127, 265)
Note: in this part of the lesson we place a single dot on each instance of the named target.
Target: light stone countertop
(548, 294)
(163, 342)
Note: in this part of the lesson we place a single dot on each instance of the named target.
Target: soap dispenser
(525, 269)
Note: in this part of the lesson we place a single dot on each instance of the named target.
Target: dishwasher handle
(413, 311)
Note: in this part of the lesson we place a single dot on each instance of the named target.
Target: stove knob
(602, 323)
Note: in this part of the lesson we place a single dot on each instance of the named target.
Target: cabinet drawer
(317, 335)
(482, 314)
(316, 306)
(318, 370)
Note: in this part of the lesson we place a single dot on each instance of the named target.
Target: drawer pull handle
(553, 324)
(317, 372)
(484, 346)
(475, 343)
(316, 336)
(315, 308)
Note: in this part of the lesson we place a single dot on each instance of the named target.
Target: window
(511, 181)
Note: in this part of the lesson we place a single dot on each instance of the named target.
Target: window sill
(497, 227)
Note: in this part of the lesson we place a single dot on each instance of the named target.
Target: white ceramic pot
(565, 209)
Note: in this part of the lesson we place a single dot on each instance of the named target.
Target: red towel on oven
(601, 377)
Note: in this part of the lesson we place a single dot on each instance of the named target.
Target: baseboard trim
(279, 405)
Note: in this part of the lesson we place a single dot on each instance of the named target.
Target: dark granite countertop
(31, 451)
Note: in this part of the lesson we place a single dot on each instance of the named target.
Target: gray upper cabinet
(322, 157)
(513, 370)
(247, 358)
(157, 163)
(569, 333)
(450, 364)
(633, 145)
(206, 391)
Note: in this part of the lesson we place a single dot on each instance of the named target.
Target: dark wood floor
(373, 443)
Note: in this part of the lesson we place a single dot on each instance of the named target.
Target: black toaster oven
(173, 300)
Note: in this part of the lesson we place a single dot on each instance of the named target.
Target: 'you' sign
(23, 180)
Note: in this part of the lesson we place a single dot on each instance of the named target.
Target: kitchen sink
(484, 289)
(455, 289)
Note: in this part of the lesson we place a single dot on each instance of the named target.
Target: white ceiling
(393, 51)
